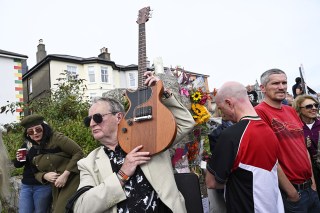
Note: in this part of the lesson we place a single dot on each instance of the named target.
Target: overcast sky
(228, 40)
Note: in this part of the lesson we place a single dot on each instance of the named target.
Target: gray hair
(114, 104)
(264, 78)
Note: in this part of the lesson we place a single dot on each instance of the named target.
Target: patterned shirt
(141, 197)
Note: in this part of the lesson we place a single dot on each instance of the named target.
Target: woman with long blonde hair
(4, 173)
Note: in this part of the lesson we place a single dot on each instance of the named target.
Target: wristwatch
(166, 94)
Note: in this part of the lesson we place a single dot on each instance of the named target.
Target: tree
(63, 109)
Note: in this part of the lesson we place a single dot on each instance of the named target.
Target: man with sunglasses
(132, 182)
(296, 179)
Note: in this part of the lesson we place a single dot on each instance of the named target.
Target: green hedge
(63, 109)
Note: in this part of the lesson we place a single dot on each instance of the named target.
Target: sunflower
(196, 96)
(204, 119)
(199, 109)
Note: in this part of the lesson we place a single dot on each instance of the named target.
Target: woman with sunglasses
(308, 109)
(34, 196)
(54, 160)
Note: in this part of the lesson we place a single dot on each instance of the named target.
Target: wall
(11, 87)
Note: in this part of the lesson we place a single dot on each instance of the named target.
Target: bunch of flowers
(193, 150)
(199, 96)
(198, 100)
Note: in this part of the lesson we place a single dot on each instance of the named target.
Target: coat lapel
(103, 164)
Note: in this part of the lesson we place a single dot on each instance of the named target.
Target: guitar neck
(142, 60)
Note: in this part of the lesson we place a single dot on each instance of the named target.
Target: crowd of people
(265, 157)
(272, 162)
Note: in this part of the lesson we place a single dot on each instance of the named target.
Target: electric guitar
(147, 122)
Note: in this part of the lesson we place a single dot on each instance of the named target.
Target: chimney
(41, 53)
(104, 54)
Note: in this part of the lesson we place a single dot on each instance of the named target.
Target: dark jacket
(65, 157)
(313, 134)
(28, 171)
(214, 135)
(294, 87)
(57, 154)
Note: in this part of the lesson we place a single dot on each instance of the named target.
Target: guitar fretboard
(142, 60)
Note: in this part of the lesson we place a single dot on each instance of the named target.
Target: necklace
(249, 117)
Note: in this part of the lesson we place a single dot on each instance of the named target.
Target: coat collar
(103, 163)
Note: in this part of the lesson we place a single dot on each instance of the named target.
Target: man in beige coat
(133, 182)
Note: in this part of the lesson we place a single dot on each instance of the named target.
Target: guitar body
(147, 122)
(157, 128)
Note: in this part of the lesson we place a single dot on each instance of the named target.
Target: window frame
(72, 73)
(104, 76)
(91, 74)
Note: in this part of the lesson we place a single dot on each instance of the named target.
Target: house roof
(12, 54)
(80, 60)
(71, 59)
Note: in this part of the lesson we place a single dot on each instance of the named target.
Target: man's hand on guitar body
(134, 159)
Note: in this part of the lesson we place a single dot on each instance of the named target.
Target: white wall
(98, 87)
(7, 91)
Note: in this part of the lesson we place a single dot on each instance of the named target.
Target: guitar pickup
(143, 111)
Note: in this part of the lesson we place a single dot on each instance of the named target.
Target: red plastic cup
(22, 154)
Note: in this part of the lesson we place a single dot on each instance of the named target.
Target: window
(72, 71)
(92, 77)
(104, 75)
(132, 79)
(92, 96)
(30, 85)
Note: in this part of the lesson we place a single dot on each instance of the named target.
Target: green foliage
(75, 130)
(13, 139)
(66, 102)
(63, 108)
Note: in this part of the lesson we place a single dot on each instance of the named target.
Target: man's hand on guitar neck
(150, 78)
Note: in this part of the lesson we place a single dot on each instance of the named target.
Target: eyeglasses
(310, 106)
(98, 118)
(34, 131)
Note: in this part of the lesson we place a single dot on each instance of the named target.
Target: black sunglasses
(98, 118)
(310, 106)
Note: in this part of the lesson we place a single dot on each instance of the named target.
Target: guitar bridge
(143, 113)
(143, 118)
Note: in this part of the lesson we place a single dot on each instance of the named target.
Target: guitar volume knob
(124, 130)
(129, 122)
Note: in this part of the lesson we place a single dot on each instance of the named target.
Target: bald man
(244, 160)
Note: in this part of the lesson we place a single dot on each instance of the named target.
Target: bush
(63, 108)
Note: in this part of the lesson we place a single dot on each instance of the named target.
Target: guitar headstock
(144, 15)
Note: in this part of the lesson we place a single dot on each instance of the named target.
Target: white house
(12, 66)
